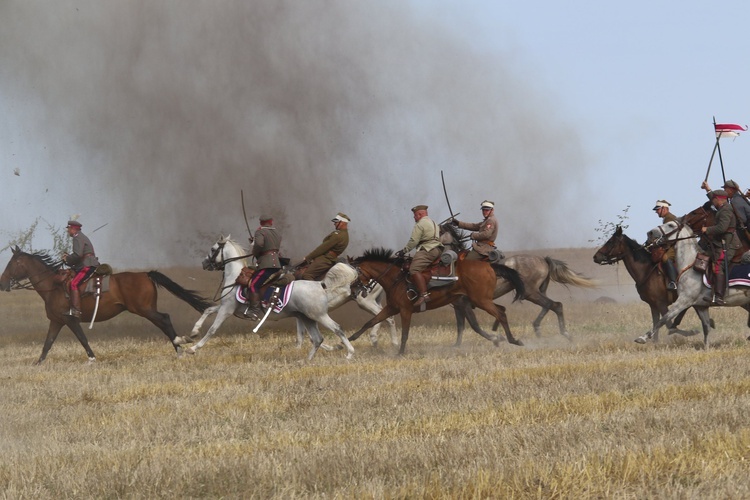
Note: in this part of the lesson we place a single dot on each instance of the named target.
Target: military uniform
(483, 237)
(425, 238)
(723, 244)
(83, 261)
(325, 255)
(266, 252)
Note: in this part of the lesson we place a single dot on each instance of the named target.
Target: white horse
(230, 257)
(692, 292)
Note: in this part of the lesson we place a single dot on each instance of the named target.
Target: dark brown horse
(704, 216)
(134, 292)
(649, 280)
(476, 281)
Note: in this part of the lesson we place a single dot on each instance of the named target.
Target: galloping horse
(649, 281)
(705, 216)
(693, 292)
(536, 273)
(476, 280)
(134, 292)
(308, 303)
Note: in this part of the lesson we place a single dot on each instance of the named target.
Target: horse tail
(559, 272)
(513, 277)
(190, 296)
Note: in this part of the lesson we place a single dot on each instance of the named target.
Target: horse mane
(241, 249)
(380, 254)
(640, 254)
(46, 259)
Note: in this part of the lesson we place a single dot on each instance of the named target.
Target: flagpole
(716, 146)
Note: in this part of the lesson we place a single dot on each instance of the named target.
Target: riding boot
(418, 280)
(75, 302)
(720, 286)
(671, 274)
(253, 310)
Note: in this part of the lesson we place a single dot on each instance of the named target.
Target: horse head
(664, 233)
(24, 266)
(613, 250)
(701, 217)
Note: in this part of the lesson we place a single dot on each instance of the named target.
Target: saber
(263, 319)
(446, 196)
(98, 228)
(244, 214)
(96, 307)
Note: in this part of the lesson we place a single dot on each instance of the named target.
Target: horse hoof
(190, 350)
(516, 342)
(640, 340)
(91, 361)
(180, 341)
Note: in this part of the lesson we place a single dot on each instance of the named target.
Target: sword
(250, 233)
(96, 307)
(446, 196)
(271, 303)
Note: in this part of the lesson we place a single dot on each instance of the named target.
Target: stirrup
(74, 312)
(254, 313)
(425, 297)
(671, 285)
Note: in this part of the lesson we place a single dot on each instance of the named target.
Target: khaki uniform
(483, 236)
(425, 237)
(669, 254)
(82, 255)
(266, 248)
(326, 254)
(723, 235)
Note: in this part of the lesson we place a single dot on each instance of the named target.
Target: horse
(649, 280)
(536, 273)
(128, 291)
(308, 303)
(692, 291)
(476, 280)
(704, 216)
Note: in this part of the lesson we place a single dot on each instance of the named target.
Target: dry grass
(246, 417)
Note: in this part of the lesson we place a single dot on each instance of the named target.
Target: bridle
(213, 265)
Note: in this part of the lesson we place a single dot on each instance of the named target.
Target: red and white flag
(729, 129)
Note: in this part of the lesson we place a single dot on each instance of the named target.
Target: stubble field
(247, 418)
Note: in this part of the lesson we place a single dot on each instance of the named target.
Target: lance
(713, 153)
(445, 191)
(244, 214)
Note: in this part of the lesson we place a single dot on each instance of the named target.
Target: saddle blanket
(738, 276)
(285, 294)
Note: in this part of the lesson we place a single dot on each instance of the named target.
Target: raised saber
(244, 214)
(445, 191)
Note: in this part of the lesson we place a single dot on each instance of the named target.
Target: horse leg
(702, 312)
(547, 305)
(405, 324)
(370, 304)
(300, 333)
(195, 333)
(52, 332)
(224, 312)
(162, 321)
(327, 322)
(676, 308)
(386, 312)
(316, 338)
(672, 326)
(499, 313)
(462, 307)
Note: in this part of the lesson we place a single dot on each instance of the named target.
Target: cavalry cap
(488, 204)
(731, 184)
(74, 223)
(265, 217)
(721, 193)
(418, 208)
(662, 204)
(341, 217)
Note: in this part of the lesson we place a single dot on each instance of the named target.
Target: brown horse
(476, 281)
(650, 282)
(705, 216)
(134, 292)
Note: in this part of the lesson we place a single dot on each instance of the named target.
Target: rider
(324, 256)
(484, 233)
(83, 261)
(667, 259)
(736, 199)
(723, 242)
(425, 238)
(266, 243)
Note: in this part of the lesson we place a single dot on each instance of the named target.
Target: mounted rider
(723, 242)
(82, 260)
(325, 256)
(266, 244)
(425, 237)
(737, 200)
(484, 233)
(666, 256)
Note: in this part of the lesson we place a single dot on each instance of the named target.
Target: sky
(150, 118)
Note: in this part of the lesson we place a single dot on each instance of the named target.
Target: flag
(728, 129)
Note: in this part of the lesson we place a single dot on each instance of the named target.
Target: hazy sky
(150, 117)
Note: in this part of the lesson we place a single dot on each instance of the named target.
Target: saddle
(441, 272)
(97, 280)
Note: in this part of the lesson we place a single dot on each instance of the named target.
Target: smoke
(152, 116)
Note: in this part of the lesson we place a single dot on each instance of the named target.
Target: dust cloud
(151, 117)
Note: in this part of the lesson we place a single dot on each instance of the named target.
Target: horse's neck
(232, 269)
(686, 250)
(42, 279)
(637, 268)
